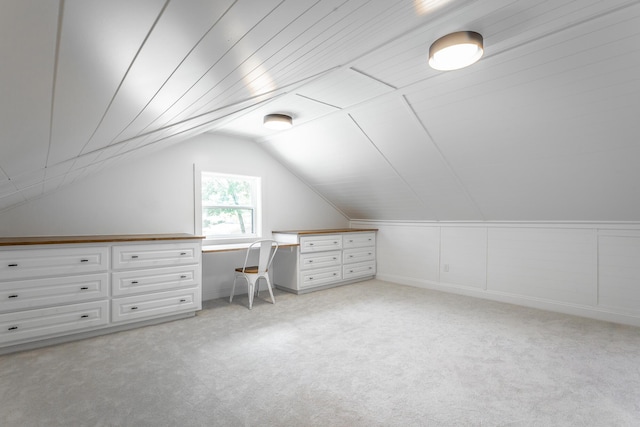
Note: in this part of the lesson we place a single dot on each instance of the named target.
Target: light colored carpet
(368, 354)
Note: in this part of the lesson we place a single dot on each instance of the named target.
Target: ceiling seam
(124, 77)
(443, 157)
(207, 72)
(54, 82)
(420, 200)
(174, 71)
(265, 60)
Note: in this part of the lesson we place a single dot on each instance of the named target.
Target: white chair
(252, 274)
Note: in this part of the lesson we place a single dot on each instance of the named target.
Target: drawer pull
(350, 256)
(134, 308)
(13, 296)
(183, 300)
(335, 243)
(310, 244)
(134, 256)
(84, 288)
(183, 276)
(84, 260)
(84, 316)
(335, 274)
(12, 265)
(182, 253)
(310, 261)
(350, 271)
(12, 328)
(350, 241)
(334, 258)
(310, 278)
(134, 282)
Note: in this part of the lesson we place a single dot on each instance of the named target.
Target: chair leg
(273, 300)
(233, 288)
(250, 293)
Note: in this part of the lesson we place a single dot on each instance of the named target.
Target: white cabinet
(54, 290)
(324, 259)
(143, 271)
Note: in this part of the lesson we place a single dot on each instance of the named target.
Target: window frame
(256, 195)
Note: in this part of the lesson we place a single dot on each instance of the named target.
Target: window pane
(217, 190)
(227, 221)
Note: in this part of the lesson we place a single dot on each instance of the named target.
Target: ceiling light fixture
(456, 50)
(278, 121)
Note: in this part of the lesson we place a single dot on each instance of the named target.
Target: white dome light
(456, 50)
(278, 121)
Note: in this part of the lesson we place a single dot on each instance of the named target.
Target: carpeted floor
(368, 354)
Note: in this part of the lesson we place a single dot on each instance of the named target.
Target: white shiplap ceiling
(544, 127)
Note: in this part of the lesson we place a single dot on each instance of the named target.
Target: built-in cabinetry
(324, 258)
(52, 288)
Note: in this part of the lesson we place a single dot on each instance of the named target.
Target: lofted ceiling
(544, 127)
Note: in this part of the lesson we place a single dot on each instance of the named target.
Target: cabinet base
(320, 288)
(90, 334)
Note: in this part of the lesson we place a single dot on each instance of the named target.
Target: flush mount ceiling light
(455, 50)
(278, 121)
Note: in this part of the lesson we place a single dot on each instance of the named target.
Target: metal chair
(252, 274)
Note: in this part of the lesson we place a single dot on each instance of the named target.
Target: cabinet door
(22, 294)
(154, 305)
(359, 240)
(156, 255)
(319, 260)
(325, 276)
(157, 279)
(362, 269)
(22, 263)
(350, 256)
(49, 322)
(320, 243)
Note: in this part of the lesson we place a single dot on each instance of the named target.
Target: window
(230, 205)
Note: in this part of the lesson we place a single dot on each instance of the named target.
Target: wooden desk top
(237, 247)
(55, 240)
(326, 231)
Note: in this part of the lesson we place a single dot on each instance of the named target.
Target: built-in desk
(237, 247)
(324, 258)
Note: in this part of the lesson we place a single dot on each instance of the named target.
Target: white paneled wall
(586, 269)
(464, 256)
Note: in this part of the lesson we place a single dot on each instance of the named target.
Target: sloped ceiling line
(430, 138)
(395, 170)
(124, 77)
(55, 76)
(193, 48)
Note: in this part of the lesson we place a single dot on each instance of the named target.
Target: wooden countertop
(54, 240)
(326, 231)
(238, 247)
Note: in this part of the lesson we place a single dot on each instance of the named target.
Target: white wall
(586, 269)
(156, 195)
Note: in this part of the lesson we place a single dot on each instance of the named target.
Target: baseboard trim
(596, 313)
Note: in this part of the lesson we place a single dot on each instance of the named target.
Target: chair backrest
(265, 257)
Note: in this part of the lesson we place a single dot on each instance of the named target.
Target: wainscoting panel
(464, 256)
(552, 264)
(619, 273)
(584, 269)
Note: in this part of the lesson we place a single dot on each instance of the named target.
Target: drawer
(23, 294)
(22, 263)
(158, 279)
(320, 243)
(54, 321)
(320, 277)
(140, 307)
(155, 255)
(320, 260)
(358, 255)
(359, 240)
(362, 269)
